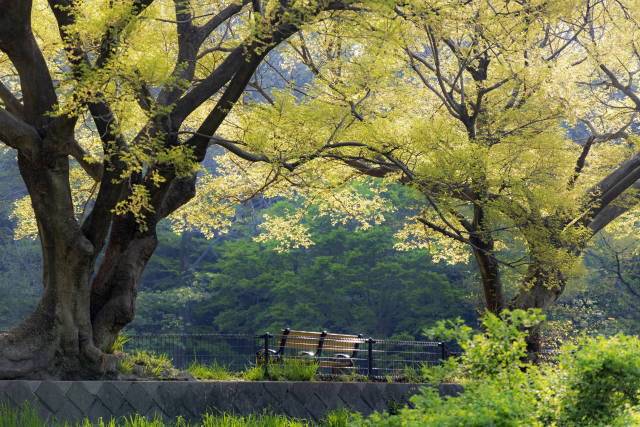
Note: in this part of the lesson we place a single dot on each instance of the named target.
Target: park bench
(335, 351)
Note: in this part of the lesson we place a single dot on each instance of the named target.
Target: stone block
(139, 398)
(170, 395)
(43, 412)
(97, 411)
(51, 394)
(124, 410)
(92, 387)
(220, 397)
(331, 397)
(251, 397)
(110, 396)
(122, 386)
(80, 396)
(372, 396)
(195, 398)
(69, 412)
(351, 395)
(19, 392)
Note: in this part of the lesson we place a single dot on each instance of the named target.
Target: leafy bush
(492, 403)
(339, 418)
(502, 346)
(597, 382)
(600, 379)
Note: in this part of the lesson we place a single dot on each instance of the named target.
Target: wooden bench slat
(330, 350)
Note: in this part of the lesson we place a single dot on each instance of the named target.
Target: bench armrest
(341, 356)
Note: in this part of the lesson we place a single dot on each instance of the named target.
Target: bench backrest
(319, 342)
(299, 340)
(342, 343)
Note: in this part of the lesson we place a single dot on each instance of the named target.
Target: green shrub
(448, 372)
(496, 402)
(502, 346)
(597, 382)
(600, 380)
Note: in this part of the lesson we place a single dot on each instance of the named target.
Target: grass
(146, 363)
(119, 343)
(288, 370)
(28, 417)
(212, 372)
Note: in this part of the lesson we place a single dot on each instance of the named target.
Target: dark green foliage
(350, 282)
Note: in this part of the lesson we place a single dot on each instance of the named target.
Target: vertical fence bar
(370, 343)
(443, 351)
(266, 353)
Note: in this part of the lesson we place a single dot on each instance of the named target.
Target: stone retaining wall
(74, 400)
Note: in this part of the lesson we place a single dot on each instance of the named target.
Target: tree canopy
(513, 122)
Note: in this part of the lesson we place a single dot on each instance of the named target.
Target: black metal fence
(376, 358)
(233, 351)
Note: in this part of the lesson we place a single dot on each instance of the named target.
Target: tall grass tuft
(26, 416)
(214, 371)
(288, 370)
(262, 420)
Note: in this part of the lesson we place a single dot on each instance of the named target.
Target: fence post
(370, 343)
(443, 352)
(266, 337)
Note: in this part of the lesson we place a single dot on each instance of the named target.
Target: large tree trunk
(542, 287)
(491, 282)
(483, 250)
(75, 322)
(115, 288)
(79, 315)
(56, 341)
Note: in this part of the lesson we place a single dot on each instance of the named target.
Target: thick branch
(627, 90)
(614, 210)
(92, 167)
(18, 42)
(220, 18)
(237, 150)
(18, 134)
(617, 182)
(11, 103)
(586, 148)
